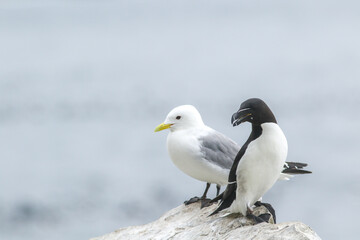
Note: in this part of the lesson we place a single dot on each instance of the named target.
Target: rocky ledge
(191, 222)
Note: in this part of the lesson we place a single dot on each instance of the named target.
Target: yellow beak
(162, 127)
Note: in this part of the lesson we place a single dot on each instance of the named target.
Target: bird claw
(192, 200)
(204, 202)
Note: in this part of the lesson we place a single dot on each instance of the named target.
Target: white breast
(184, 150)
(260, 166)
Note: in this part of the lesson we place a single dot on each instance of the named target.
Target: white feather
(184, 146)
(260, 167)
(184, 150)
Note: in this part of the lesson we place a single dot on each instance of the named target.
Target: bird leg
(268, 207)
(206, 190)
(218, 189)
(205, 202)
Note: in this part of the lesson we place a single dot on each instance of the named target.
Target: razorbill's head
(253, 110)
(182, 117)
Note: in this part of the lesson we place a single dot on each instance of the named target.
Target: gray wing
(219, 149)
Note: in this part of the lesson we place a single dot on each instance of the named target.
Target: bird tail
(296, 171)
(217, 198)
(224, 204)
(295, 168)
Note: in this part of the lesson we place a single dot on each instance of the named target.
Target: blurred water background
(83, 84)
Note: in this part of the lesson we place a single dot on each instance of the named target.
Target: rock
(191, 222)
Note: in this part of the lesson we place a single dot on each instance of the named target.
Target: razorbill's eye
(178, 117)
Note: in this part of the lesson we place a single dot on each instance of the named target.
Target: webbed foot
(205, 202)
(192, 200)
(256, 219)
(268, 207)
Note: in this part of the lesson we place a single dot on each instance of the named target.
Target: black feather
(295, 165)
(217, 198)
(225, 203)
(295, 168)
(296, 171)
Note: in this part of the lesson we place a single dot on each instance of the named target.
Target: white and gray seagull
(204, 153)
(259, 162)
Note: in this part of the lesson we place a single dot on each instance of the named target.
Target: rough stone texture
(191, 222)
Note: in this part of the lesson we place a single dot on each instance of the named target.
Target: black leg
(206, 190)
(218, 190)
(205, 202)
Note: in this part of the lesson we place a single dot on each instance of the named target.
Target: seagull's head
(182, 117)
(253, 110)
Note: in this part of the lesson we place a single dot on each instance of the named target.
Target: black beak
(240, 116)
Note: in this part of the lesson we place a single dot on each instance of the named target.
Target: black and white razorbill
(259, 162)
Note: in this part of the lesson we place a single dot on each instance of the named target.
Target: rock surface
(191, 222)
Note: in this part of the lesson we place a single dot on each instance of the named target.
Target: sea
(83, 84)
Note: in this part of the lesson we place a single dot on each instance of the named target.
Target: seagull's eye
(178, 117)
